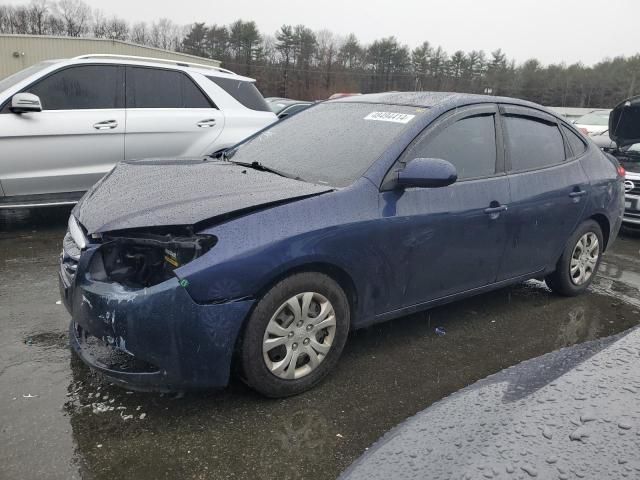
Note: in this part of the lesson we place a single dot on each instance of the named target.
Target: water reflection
(388, 372)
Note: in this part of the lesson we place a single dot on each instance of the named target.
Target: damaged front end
(134, 321)
(142, 259)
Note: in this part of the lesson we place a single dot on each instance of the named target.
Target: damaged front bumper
(153, 338)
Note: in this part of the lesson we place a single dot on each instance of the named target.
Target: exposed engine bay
(138, 260)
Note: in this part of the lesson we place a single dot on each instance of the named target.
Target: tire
(294, 335)
(563, 281)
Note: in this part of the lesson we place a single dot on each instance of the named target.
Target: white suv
(65, 123)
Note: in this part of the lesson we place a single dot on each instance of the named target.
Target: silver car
(65, 123)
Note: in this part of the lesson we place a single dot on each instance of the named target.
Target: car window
(158, 88)
(17, 77)
(532, 143)
(82, 87)
(244, 92)
(331, 143)
(578, 146)
(469, 144)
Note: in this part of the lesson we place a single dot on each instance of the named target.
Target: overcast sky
(551, 30)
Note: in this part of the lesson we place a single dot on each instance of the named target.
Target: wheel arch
(333, 271)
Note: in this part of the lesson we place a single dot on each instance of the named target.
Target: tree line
(298, 62)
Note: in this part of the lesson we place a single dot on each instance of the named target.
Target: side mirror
(283, 115)
(25, 102)
(427, 173)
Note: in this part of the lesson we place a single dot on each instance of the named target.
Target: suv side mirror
(25, 102)
(427, 173)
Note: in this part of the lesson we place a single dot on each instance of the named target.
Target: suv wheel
(295, 335)
(579, 261)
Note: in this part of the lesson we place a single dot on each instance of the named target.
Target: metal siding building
(21, 51)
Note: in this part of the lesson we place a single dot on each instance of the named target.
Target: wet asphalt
(60, 421)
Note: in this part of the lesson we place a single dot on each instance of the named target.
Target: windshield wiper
(263, 168)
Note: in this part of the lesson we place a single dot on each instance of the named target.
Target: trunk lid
(624, 122)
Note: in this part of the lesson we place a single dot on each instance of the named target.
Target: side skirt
(401, 312)
(45, 200)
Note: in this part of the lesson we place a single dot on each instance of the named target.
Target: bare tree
(38, 13)
(140, 33)
(76, 16)
(165, 34)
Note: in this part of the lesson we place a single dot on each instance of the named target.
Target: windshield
(17, 77)
(600, 119)
(330, 143)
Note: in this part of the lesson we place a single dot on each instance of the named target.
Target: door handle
(208, 123)
(106, 125)
(495, 210)
(578, 193)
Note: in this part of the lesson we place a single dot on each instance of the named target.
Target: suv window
(244, 92)
(532, 143)
(82, 87)
(469, 144)
(578, 146)
(158, 88)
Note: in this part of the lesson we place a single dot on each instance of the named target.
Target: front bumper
(170, 341)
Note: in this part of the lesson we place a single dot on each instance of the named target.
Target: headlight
(76, 233)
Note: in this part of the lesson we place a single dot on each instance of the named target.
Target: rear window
(244, 92)
(577, 145)
(532, 143)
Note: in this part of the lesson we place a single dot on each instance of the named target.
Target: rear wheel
(579, 261)
(295, 335)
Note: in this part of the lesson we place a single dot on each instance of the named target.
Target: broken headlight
(139, 260)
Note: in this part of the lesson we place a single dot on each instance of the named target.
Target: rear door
(548, 190)
(443, 241)
(74, 141)
(168, 115)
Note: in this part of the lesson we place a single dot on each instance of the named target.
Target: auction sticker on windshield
(390, 117)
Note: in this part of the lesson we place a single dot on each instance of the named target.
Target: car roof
(434, 99)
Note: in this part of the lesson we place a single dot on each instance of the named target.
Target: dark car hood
(624, 122)
(161, 192)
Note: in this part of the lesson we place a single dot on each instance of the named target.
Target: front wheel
(579, 261)
(295, 335)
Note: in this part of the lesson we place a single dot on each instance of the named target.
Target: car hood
(168, 192)
(624, 122)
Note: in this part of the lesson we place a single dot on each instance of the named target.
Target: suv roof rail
(153, 59)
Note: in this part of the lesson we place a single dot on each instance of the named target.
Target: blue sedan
(260, 260)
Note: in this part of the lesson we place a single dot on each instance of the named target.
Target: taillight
(621, 171)
(584, 131)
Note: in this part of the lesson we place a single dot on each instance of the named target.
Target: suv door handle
(208, 123)
(106, 125)
(578, 193)
(494, 210)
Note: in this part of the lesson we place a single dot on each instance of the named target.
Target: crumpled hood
(624, 122)
(162, 192)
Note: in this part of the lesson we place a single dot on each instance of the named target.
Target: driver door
(448, 240)
(74, 141)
